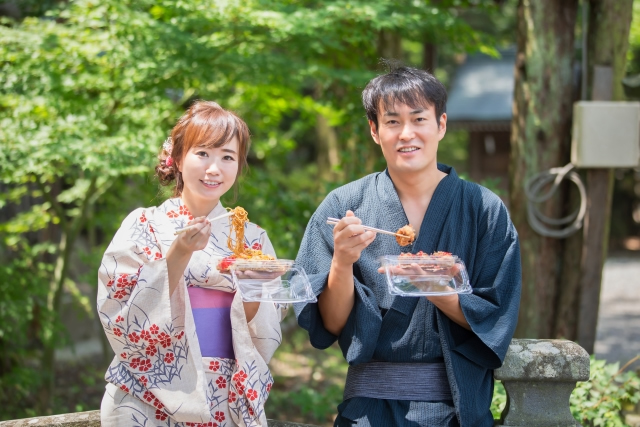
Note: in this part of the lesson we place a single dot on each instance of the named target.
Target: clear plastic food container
(277, 280)
(419, 275)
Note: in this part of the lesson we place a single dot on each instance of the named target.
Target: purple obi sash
(212, 315)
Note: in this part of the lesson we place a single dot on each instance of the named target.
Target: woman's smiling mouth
(211, 183)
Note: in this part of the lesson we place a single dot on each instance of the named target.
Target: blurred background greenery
(90, 89)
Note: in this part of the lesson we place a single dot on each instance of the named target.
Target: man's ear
(442, 128)
(374, 132)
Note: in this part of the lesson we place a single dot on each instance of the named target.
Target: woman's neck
(198, 208)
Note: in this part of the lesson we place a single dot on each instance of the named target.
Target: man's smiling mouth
(407, 149)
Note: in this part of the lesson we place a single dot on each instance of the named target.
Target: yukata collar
(390, 201)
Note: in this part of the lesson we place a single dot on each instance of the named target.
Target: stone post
(539, 376)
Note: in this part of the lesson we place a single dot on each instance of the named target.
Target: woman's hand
(194, 239)
(184, 246)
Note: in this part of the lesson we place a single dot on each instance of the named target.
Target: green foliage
(597, 402)
(633, 54)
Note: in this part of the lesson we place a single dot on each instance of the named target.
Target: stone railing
(538, 375)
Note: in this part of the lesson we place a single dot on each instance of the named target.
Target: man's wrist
(341, 268)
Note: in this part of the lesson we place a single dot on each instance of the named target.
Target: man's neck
(415, 191)
(417, 186)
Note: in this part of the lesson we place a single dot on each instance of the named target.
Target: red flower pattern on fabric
(134, 337)
(164, 340)
(134, 363)
(154, 329)
(150, 351)
(252, 394)
(117, 332)
(221, 382)
(124, 388)
(250, 411)
(169, 358)
(145, 335)
(214, 365)
(120, 294)
(240, 389)
(148, 396)
(158, 404)
(256, 246)
(144, 380)
(172, 214)
(232, 397)
(161, 415)
(123, 355)
(219, 416)
(268, 387)
(240, 376)
(119, 319)
(145, 365)
(143, 217)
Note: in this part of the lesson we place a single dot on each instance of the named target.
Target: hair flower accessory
(168, 147)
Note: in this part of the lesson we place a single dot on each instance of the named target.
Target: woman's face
(208, 173)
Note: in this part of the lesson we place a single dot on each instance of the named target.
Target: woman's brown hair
(204, 124)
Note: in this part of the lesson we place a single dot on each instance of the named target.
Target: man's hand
(349, 240)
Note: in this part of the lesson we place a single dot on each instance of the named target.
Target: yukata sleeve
(357, 338)
(264, 328)
(146, 326)
(492, 309)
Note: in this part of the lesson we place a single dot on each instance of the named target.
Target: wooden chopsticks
(334, 221)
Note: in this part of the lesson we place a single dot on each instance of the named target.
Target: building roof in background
(482, 90)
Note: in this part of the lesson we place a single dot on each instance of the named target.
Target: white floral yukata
(159, 376)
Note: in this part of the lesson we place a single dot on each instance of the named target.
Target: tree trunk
(540, 140)
(608, 41)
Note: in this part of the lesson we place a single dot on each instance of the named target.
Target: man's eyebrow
(390, 113)
(418, 110)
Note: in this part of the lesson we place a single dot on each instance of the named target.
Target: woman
(189, 351)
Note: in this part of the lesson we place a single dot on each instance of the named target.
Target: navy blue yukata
(463, 218)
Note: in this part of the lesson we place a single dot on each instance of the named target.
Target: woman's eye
(228, 158)
(202, 154)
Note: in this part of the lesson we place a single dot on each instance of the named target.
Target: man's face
(408, 137)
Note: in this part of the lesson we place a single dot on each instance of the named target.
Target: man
(414, 361)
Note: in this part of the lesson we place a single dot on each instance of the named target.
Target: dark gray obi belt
(398, 381)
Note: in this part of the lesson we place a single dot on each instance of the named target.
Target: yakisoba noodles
(237, 246)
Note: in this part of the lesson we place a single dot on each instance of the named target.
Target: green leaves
(597, 402)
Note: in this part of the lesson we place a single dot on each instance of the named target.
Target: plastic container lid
(276, 280)
(419, 275)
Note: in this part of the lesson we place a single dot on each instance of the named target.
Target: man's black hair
(406, 85)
